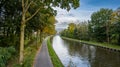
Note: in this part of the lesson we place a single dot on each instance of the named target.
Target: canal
(74, 54)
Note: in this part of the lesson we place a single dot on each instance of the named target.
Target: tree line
(104, 26)
(25, 20)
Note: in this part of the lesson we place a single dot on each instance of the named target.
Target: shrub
(5, 55)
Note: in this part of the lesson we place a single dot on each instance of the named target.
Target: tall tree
(71, 29)
(100, 24)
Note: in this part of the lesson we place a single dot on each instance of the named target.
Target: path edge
(37, 54)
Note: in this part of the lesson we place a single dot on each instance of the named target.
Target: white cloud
(64, 17)
(72, 15)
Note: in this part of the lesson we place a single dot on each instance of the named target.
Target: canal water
(74, 54)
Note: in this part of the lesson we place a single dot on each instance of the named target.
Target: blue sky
(97, 4)
(83, 13)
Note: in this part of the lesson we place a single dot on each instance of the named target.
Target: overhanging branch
(23, 4)
(33, 15)
(27, 6)
(26, 3)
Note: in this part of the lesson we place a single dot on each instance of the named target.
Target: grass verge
(111, 46)
(29, 55)
(55, 60)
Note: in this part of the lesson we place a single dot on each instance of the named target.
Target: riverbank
(102, 45)
(55, 59)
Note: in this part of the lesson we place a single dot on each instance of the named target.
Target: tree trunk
(40, 36)
(119, 39)
(22, 28)
(107, 32)
(37, 39)
(25, 8)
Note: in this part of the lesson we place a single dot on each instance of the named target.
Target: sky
(83, 13)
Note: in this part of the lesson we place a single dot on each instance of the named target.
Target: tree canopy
(19, 19)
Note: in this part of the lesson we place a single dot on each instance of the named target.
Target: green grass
(112, 46)
(55, 60)
(29, 55)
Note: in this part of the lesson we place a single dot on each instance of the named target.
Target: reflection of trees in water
(106, 58)
(73, 47)
(92, 53)
(97, 57)
(84, 51)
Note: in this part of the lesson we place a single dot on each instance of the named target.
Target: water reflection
(73, 54)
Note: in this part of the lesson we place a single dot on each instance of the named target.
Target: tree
(71, 29)
(77, 31)
(115, 20)
(82, 31)
(50, 29)
(100, 24)
(10, 15)
(40, 4)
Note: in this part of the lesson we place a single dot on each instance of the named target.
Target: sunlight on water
(58, 46)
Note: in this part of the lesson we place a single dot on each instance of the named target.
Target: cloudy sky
(83, 13)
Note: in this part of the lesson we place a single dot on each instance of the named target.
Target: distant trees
(82, 29)
(78, 31)
(104, 26)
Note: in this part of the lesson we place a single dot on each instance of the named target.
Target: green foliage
(70, 31)
(10, 16)
(5, 55)
(99, 23)
(82, 31)
(115, 19)
(29, 55)
(103, 27)
(17, 65)
(78, 31)
(55, 60)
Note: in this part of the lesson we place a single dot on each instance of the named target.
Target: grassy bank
(55, 60)
(29, 54)
(14, 60)
(111, 46)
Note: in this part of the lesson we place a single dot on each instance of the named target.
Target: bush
(17, 65)
(5, 55)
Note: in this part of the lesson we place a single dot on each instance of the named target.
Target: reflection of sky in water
(63, 53)
(66, 58)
